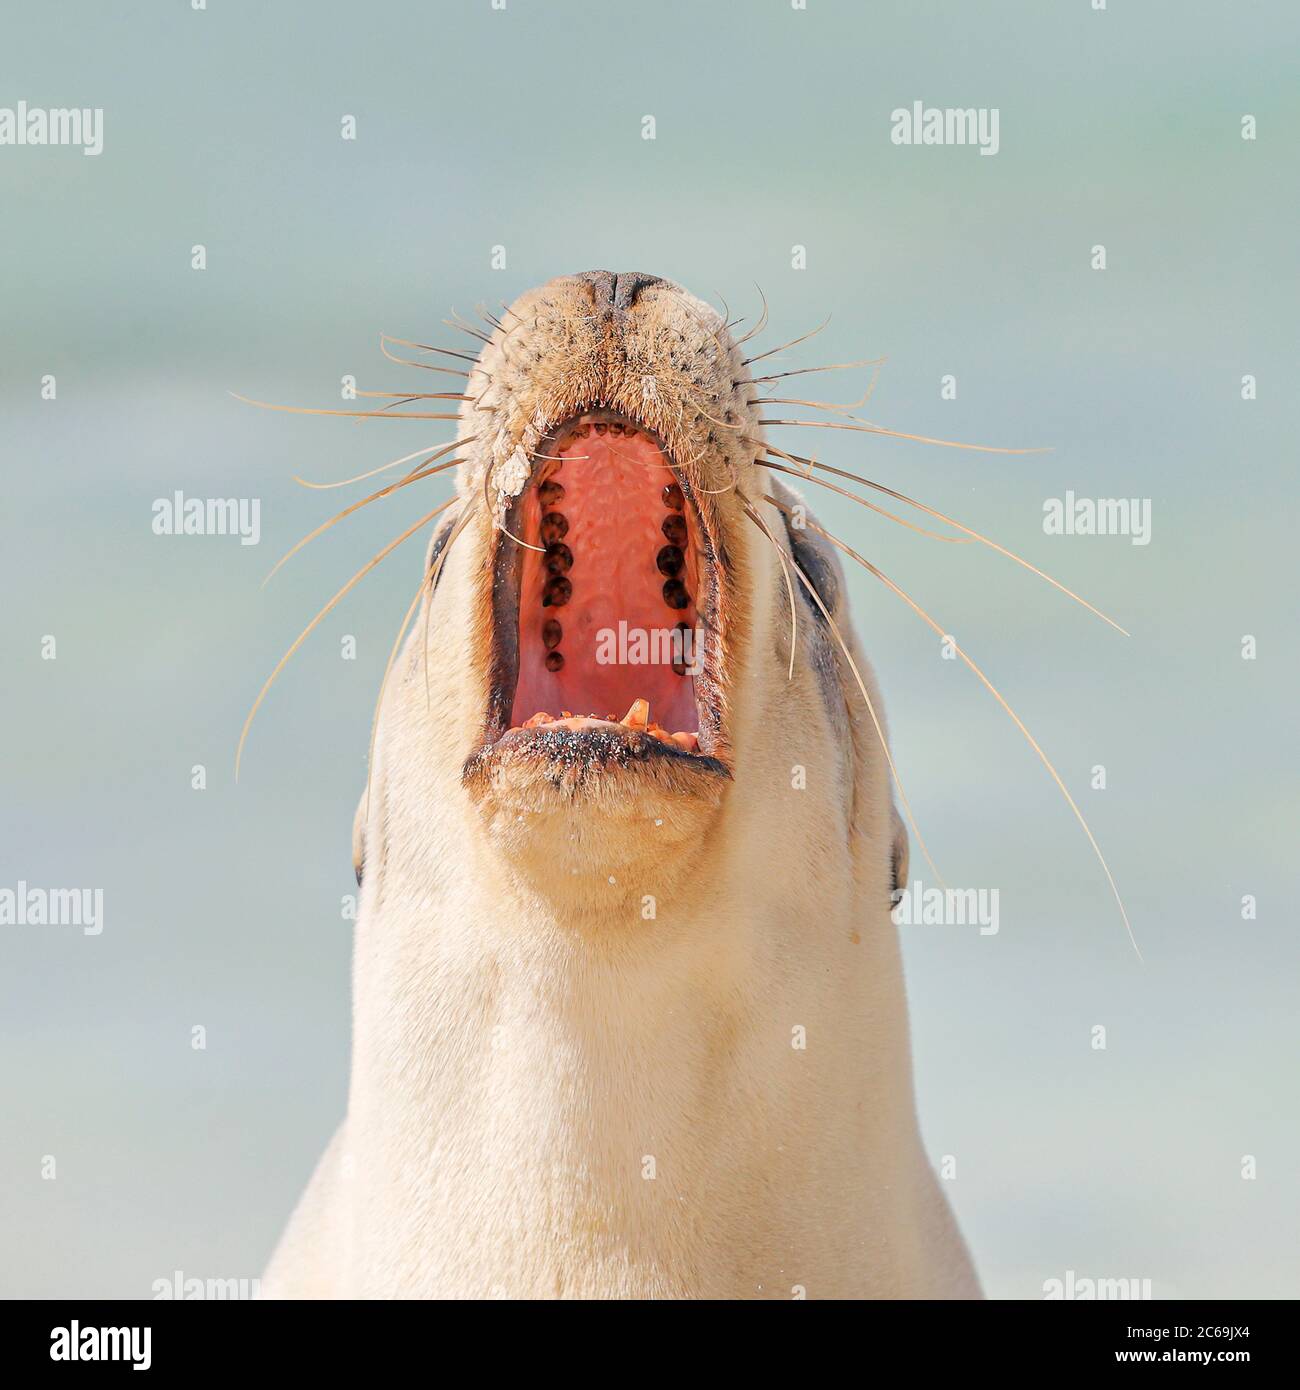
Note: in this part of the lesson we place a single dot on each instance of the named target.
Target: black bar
(1045, 1338)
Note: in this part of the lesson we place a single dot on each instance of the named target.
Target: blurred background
(521, 127)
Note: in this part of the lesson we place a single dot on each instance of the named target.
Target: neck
(692, 1104)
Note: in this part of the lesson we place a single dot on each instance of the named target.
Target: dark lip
(612, 746)
(592, 749)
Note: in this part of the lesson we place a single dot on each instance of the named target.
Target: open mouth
(605, 639)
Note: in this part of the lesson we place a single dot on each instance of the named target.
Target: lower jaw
(606, 760)
(592, 820)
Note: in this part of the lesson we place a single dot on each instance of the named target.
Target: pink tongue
(614, 625)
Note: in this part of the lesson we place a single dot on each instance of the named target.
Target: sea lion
(629, 1018)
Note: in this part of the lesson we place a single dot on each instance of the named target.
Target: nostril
(616, 292)
(602, 288)
(630, 283)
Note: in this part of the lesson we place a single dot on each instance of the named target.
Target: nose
(616, 292)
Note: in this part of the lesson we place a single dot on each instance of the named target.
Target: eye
(818, 567)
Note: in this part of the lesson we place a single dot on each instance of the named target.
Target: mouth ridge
(614, 476)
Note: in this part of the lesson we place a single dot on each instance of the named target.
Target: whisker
(830, 367)
(405, 398)
(816, 405)
(715, 491)
(667, 463)
(988, 685)
(762, 320)
(930, 511)
(794, 342)
(427, 582)
(384, 467)
(419, 395)
(690, 463)
(329, 607)
(357, 414)
(424, 366)
(627, 458)
(713, 420)
(500, 523)
(428, 347)
(435, 570)
(875, 719)
(505, 332)
(785, 571)
(457, 323)
(383, 686)
(871, 506)
(865, 428)
(715, 331)
(410, 478)
(390, 406)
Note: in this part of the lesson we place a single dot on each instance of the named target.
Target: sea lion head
(601, 680)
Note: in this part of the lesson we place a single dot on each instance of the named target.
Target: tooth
(690, 742)
(675, 594)
(549, 493)
(674, 529)
(673, 498)
(558, 558)
(554, 661)
(679, 652)
(601, 427)
(541, 717)
(559, 591)
(555, 526)
(670, 561)
(638, 715)
(551, 634)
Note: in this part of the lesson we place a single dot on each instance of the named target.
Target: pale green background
(523, 127)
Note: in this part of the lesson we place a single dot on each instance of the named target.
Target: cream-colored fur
(553, 1092)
